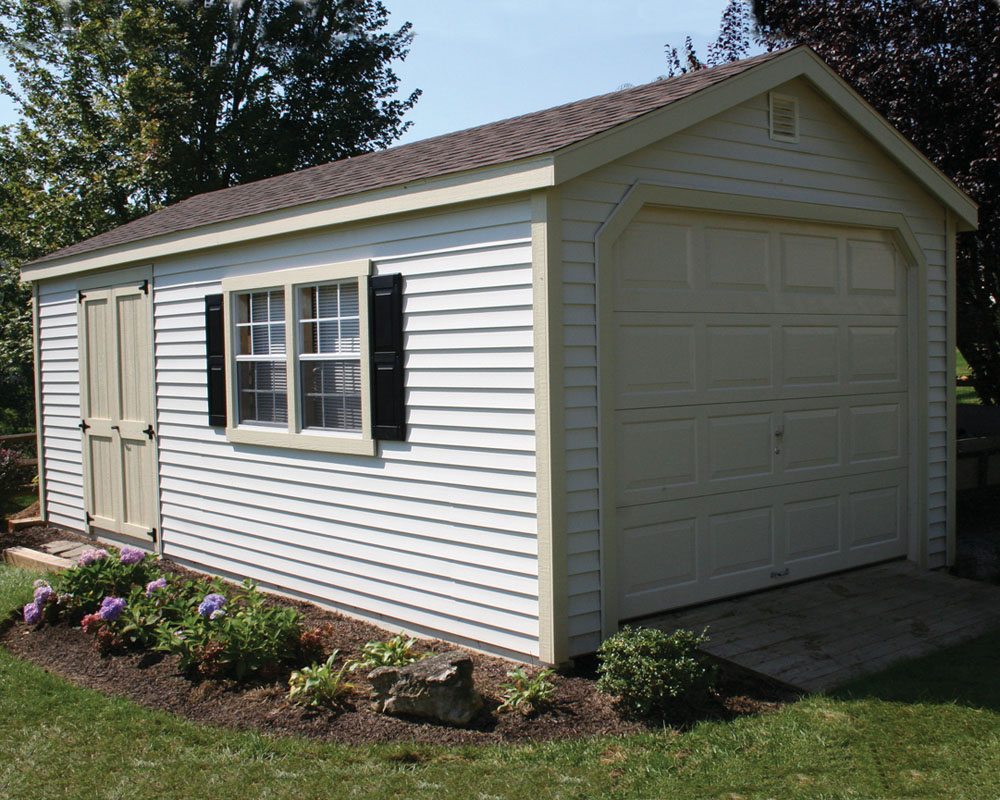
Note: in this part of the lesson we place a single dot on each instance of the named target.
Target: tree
(127, 105)
(932, 68)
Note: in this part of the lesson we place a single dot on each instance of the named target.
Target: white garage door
(760, 404)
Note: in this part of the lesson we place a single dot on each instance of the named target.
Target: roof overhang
(538, 173)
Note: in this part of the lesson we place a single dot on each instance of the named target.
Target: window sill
(303, 441)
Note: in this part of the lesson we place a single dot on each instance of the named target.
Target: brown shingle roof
(509, 140)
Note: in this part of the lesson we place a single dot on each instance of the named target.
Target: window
(297, 353)
(330, 357)
(260, 357)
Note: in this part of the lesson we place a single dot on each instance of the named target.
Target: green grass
(61, 741)
(964, 394)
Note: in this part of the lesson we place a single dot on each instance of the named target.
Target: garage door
(760, 404)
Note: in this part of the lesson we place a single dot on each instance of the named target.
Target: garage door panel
(742, 541)
(689, 359)
(704, 262)
(810, 263)
(682, 452)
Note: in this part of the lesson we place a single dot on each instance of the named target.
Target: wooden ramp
(821, 633)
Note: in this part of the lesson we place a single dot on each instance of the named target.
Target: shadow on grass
(963, 674)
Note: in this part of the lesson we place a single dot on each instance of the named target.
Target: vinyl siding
(435, 535)
(60, 382)
(833, 164)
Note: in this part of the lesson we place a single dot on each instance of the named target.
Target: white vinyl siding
(436, 534)
(60, 382)
(832, 163)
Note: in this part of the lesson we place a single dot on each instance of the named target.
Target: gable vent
(784, 118)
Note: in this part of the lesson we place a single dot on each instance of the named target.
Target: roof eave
(463, 187)
(644, 131)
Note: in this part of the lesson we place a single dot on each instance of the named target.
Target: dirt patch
(38, 535)
(153, 680)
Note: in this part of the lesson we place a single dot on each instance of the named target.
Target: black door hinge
(144, 286)
(79, 296)
(149, 432)
(83, 425)
(152, 534)
(89, 518)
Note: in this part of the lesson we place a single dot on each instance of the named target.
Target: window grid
(261, 368)
(330, 361)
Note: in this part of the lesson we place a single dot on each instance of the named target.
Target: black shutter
(215, 345)
(385, 337)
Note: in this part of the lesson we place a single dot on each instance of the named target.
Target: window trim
(291, 280)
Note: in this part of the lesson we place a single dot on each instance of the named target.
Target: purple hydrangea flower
(132, 555)
(32, 614)
(152, 586)
(90, 556)
(111, 608)
(211, 603)
(42, 595)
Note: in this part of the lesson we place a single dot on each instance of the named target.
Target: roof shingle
(509, 140)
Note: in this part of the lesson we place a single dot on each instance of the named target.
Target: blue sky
(483, 60)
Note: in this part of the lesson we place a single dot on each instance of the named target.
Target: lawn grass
(67, 742)
(964, 394)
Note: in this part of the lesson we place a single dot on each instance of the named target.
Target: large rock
(438, 688)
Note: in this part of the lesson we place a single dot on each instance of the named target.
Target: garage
(761, 403)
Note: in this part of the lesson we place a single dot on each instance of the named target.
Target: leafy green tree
(127, 105)
(932, 68)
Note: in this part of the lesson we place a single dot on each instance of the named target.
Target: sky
(482, 60)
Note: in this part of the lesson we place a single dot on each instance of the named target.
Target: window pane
(331, 395)
(329, 317)
(260, 323)
(263, 392)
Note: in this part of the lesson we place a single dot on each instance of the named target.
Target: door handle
(115, 428)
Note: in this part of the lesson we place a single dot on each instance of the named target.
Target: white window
(297, 359)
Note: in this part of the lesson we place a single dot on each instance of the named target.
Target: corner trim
(36, 334)
(951, 342)
(550, 447)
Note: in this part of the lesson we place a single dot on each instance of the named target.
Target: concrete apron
(821, 633)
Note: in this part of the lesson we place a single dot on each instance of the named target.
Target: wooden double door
(117, 409)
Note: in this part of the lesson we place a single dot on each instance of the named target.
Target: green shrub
(653, 672)
(527, 694)
(101, 574)
(13, 474)
(240, 639)
(319, 684)
(395, 652)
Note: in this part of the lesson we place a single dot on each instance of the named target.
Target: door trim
(644, 193)
(110, 280)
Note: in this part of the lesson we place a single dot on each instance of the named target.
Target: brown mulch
(153, 680)
(38, 535)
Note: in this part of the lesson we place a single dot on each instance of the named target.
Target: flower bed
(219, 653)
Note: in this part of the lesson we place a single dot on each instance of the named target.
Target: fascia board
(495, 182)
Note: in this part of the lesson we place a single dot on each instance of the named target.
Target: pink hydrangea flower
(88, 557)
(152, 586)
(132, 555)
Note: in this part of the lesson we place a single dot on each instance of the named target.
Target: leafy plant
(395, 652)
(247, 637)
(525, 693)
(13, 474)
(320, 684)
(651, 671)
(100, 574)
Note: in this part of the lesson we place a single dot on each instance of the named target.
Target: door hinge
(781, 573)
(149, 431)
(83, 425)
(152, 534)
(79, 296)
(144, 286)
(89, 518)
